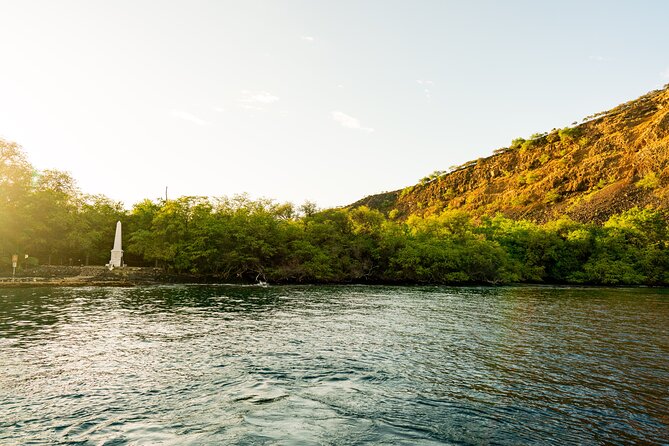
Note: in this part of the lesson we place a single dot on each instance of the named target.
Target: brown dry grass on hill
(610, 163)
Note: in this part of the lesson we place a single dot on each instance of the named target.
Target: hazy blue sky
(294, 100)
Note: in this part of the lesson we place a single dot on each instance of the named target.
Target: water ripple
(334, 365)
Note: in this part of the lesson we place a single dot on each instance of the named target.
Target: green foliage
(570, 134)
(406, 191)
(553, 136)
(523, 144)
(517, 143)
(552, 196)
(649, 181)
(235, 238)
(532, 177)
(433, 176)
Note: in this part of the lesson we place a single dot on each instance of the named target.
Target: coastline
(67, 283)
(127, 277)
(75, 276)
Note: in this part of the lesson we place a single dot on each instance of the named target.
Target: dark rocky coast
(86, 276)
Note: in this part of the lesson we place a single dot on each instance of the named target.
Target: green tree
(15, 187)
(53, 207)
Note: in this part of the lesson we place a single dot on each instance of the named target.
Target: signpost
(15, 260)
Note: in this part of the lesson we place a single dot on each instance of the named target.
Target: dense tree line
(46, 220)
(44, 215)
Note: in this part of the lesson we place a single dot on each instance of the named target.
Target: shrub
(535, 140)
(553, 136)
(650, 181)
(552, 196)
(517, 143)
(532, 177)
(406, 191)
(569, 134)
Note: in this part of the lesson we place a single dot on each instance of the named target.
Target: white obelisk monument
(117, 253)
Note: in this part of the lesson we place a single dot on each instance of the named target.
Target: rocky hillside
(611, 162)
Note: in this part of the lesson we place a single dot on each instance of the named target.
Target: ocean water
(187, 364)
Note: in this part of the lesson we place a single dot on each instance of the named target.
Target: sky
(327, 101)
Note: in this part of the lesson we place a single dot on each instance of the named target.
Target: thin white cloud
(349, 121)
(252, 107)
(597, 58)
(307, 38)
(258, 97)
(665, 73)
(218, 109)
(180, 114)
(426, 90)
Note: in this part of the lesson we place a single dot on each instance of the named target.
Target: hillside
(611, 162)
